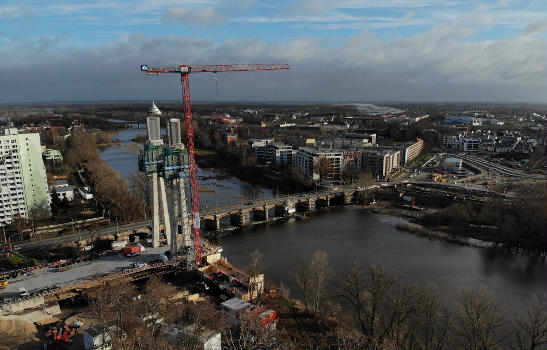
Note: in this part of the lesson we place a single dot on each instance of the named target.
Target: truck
(131, 251)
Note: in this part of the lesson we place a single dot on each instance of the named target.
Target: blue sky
(375, 50)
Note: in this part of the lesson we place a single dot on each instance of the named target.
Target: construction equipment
(184, 71)
(57, 337)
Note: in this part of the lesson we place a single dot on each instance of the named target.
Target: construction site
(57, 303)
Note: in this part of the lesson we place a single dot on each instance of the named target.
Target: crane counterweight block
(184, 71)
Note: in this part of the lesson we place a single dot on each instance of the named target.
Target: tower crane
(184, 71)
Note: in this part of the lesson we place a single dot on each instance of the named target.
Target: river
(347, 234)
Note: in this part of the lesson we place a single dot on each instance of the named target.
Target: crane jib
(211, 68)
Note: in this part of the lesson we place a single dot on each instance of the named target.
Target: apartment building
(308, 160)
(380, 163)
(279, 155)
(23, 180)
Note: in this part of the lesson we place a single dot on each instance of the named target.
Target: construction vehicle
(131, 250)
(57, 337)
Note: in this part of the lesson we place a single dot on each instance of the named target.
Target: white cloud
(202, 16)
(10, 12)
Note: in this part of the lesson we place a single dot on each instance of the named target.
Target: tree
(530, 332)
(365, 293)
(311, 278)
(255, 269)
(479, 319)
(324, 167)
(141, 189)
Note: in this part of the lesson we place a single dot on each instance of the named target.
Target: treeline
(520, 225)
(108, 185)
(388, 312)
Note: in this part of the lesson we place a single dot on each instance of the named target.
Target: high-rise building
(23, 180)
(174, 136)
(153, 124)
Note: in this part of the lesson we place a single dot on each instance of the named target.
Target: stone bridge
(249, 212)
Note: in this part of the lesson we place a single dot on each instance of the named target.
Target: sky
(338, 50)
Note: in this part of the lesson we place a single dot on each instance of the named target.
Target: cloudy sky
(343, 50)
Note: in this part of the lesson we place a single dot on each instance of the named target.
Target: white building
(63, 190)
(308, 160)
(469, 144)
(23, 181)
(279, 154)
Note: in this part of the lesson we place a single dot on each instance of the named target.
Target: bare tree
(255, 269)
(530, 332)
(140, 186)
(324, 167)
(433, 322)
(311, 278)
(365, 293)
(250, 333)
(479, 319)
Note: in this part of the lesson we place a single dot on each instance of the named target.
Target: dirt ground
(17, 334)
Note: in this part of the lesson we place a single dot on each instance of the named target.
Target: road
(48, 277)
(497, 168)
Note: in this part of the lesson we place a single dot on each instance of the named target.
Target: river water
(349, 234)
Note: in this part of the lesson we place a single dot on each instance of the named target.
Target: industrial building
(23, 180)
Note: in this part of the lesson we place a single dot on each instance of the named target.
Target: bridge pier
(348, 197)
(261, 214)
(213, 224)
(279, 210)
(241, 218)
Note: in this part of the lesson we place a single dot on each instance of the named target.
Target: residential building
(411, 150)
(23, 180)
(63, 190)
(450, 140)
(308, 161)
(380, 163)
(259, 146)
(53, 155)
(469, 144)
(279, 155)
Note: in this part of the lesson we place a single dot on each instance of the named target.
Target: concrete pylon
(155, 212)
(173, 244)
(165, 211)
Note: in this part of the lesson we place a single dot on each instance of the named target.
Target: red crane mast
(184, 71)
